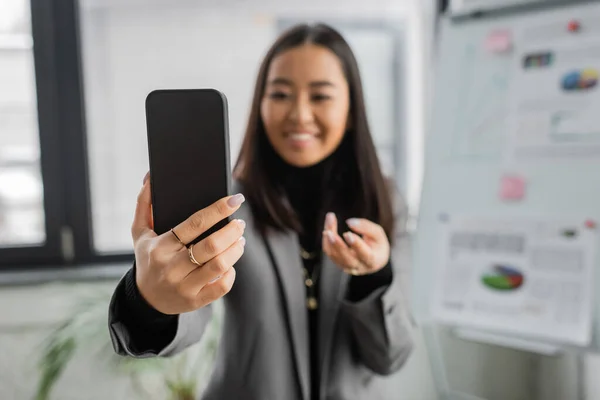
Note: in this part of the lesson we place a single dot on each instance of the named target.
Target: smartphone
(188, 149)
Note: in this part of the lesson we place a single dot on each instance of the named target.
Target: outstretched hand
(363, 250)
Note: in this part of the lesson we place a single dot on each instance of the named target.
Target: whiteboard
(470, 142)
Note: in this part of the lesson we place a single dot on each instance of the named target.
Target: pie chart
(503, 277)
(580, 80)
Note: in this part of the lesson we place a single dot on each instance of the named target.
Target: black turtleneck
(309, 192)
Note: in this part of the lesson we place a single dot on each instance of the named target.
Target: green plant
(86, 332)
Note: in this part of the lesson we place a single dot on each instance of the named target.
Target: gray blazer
(264, 349)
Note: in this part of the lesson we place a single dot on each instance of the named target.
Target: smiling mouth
(301, 137)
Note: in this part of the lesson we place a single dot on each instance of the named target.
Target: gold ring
(192, 258)
(354, 271)
(177, 237)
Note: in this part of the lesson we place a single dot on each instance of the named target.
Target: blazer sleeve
(138, 330)
(381, 322)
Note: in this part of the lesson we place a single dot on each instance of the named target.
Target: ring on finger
(192, 258)
(354, 270)
(358, 266)
(177, 237)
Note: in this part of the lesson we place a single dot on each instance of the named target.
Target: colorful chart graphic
(538, 60)
(580, 80)
(503, 278)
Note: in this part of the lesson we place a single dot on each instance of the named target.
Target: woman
(317, 310)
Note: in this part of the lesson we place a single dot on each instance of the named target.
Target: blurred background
(73, 79)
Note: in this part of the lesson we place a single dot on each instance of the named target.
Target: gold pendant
(307, 255)
(311, 303)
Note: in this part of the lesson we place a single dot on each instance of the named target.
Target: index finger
(365, 227)
(363, 251)
(203, 220)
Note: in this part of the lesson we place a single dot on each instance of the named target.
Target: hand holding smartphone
(189, 191)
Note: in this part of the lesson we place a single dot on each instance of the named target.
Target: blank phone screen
(188, 145)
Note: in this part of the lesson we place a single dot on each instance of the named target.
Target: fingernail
(349, 237)
(242, 223)
(236, 200)
(329, 218)
(242, 241)
(146, 177)
(330, 237)
(353, 222)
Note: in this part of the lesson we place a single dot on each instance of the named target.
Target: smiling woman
(314, 290)
(309, 109)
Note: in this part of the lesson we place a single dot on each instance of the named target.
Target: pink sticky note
(499, 41)
(590, 224)
(512, 187)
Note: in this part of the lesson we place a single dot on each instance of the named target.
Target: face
(305, 104)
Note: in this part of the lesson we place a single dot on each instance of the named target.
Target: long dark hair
(355, 184)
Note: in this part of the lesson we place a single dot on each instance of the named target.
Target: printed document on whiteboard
(555, 96)
(526, 277)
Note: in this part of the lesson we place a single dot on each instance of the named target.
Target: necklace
(307, 255)
(310, 280)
